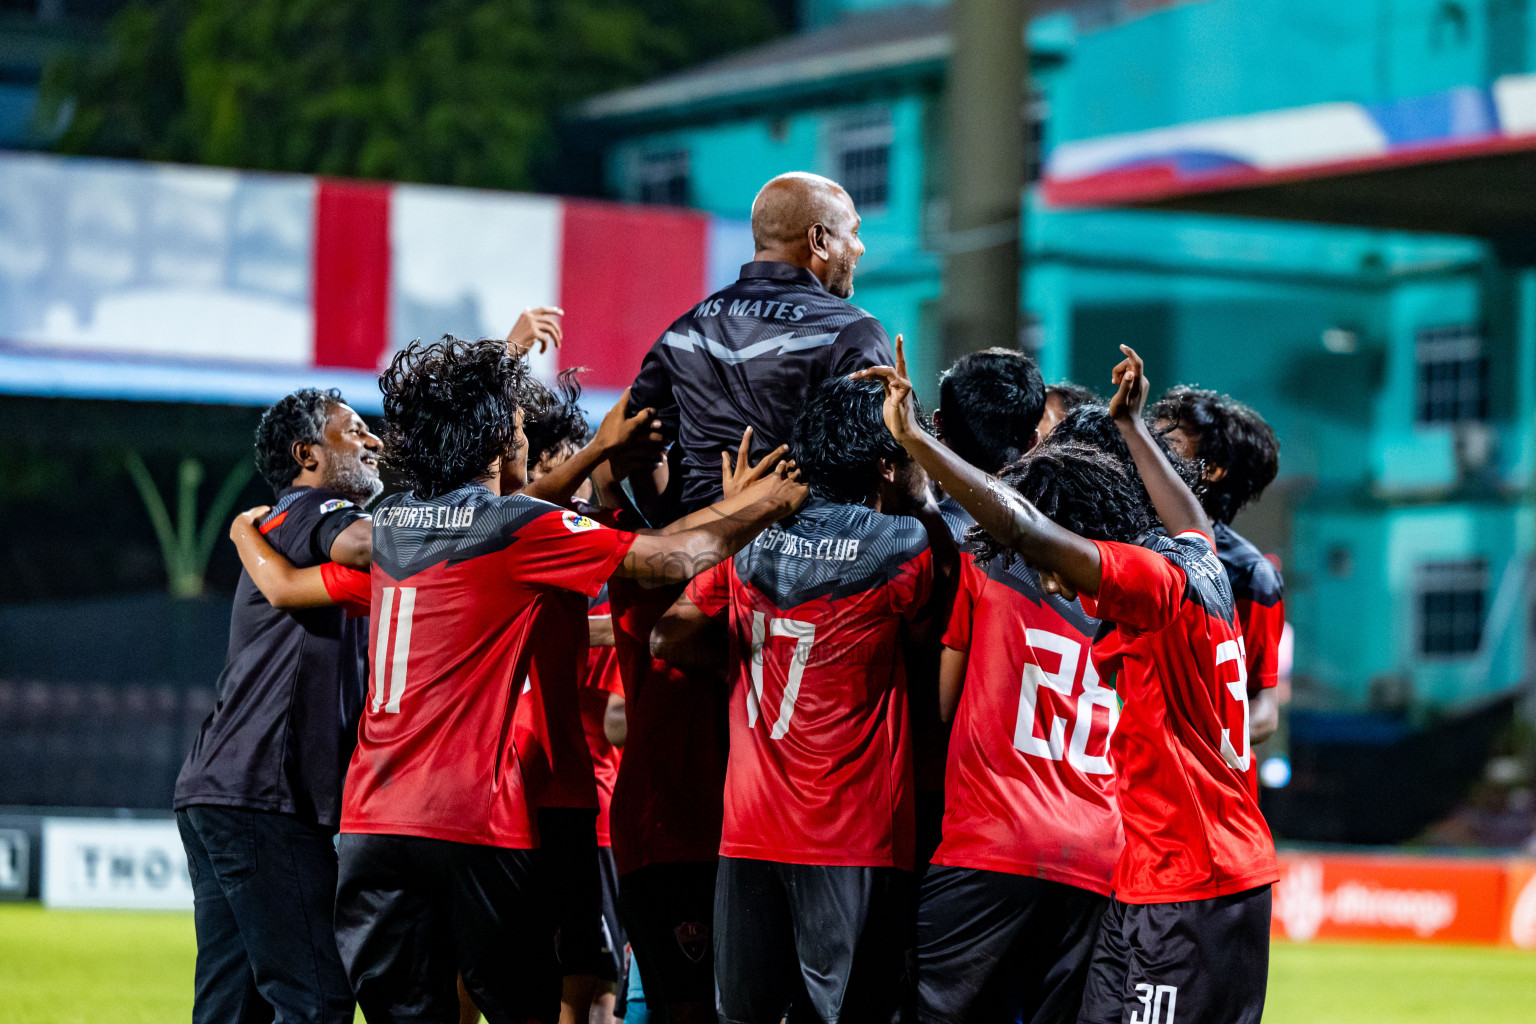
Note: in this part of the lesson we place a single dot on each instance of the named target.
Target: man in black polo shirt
(749, 355)
(259, 798)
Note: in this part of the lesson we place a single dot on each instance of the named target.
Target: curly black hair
(1228, 435)
(991, 403)
(840, 438)
(1092, 425)
(559, 421)
(450, 411)
(1079, 488)
(299, 417)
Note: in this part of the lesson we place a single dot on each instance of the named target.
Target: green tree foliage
(460, 92)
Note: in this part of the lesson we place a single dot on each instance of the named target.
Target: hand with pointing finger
(1130, 380)
(900, 411)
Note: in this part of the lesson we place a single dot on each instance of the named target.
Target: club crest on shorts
(577, 523)
(692, 939)
(327, 507)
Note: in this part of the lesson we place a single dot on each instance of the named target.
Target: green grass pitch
(95, 967)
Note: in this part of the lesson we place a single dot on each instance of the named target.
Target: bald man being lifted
(745, 356)
(748, 355)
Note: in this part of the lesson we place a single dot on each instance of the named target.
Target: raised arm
(996, 507)
(659, 558)
(279, 582)
(617, 433)
(1176, 504)
(742, 484)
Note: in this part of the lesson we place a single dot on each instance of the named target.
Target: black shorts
(1165, 963)
(667, 911)
(995, 947)
(833, 936)
(413, 914)
(568, 843)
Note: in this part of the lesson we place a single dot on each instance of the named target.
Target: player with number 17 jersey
(819, 831)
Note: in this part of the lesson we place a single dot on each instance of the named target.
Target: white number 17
(804, 634)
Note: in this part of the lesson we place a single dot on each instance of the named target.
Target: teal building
(1316, 206)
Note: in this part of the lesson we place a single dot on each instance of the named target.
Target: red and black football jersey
(930, 733)
(1258, 594)
(1029, 788)
(667, 800)
(547, 728)
(820, 768)
(601, 680)
(1175, 657)
(473, 596)
(351, 589)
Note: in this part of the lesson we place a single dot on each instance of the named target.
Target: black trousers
(263, 887)
(819, 943)
(413, 915)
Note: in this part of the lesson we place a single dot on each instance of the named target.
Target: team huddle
(825, 709)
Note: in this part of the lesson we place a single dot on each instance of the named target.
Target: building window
(1452, 375)
(1452, 597)
(661, 177)
(861, 157)
(1039, 111)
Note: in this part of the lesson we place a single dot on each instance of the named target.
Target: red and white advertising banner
(140, 280)
(1401, 898)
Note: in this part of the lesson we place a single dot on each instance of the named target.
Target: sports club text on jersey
(426, 517)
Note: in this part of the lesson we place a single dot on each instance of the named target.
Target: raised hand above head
(538, 325)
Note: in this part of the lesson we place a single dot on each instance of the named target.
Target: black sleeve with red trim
(303, 526)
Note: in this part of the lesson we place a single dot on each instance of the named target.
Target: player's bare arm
(1263, 714)
(599, 630)
(279, 582)
(615, 721)
(951, 681)
(686, 636)
(657, 559)
(996, 507)
(1175, 503)
(616, 435)
(353, 547)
